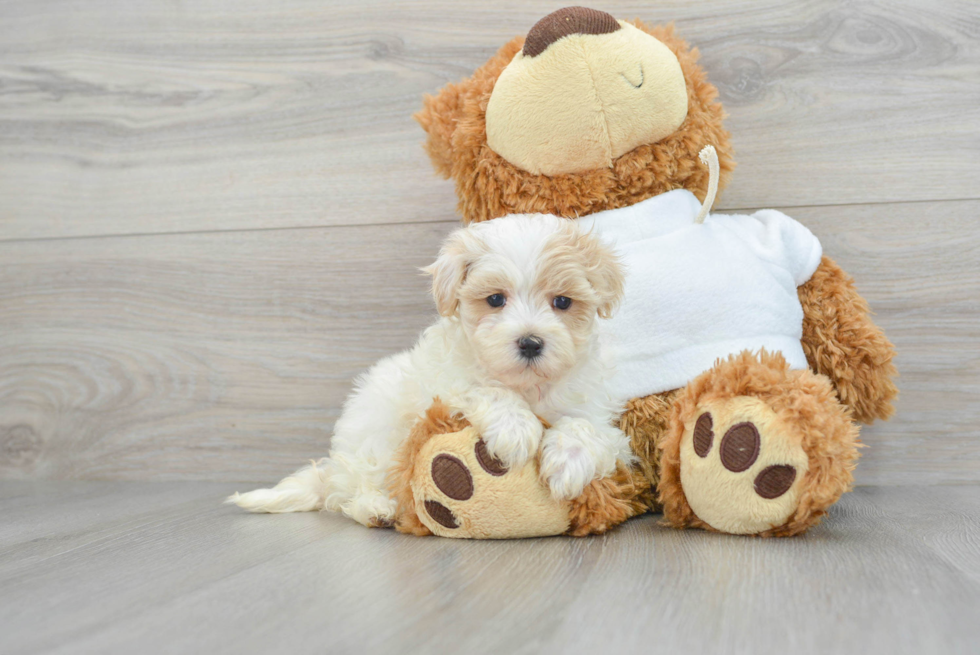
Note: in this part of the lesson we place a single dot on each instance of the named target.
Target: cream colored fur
(471, 360)
(586, 100)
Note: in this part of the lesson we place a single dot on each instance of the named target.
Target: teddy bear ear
(461, 107)
(438, 117)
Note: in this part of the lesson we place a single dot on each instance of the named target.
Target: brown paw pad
(441, 514)
(460, 490)
(452, 477)
(774, 481)
(742, 466)
(740, 447)
(703, 435)
(488, 462)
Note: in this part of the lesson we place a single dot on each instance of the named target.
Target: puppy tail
(303, 491)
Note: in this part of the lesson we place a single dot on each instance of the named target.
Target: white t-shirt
(696, 293)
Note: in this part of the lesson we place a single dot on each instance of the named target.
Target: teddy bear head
(585, 113)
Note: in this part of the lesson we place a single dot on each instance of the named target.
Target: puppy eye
(496, 300)
(562, 302)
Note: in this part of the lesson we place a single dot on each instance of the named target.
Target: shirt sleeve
(787, 243)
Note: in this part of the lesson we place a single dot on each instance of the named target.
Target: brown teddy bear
(744, 355)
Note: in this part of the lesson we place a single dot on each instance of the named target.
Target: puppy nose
(530, 346)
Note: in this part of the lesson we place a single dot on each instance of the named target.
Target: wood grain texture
(201, 355)
(123, 117)
(226, 356)
(916, 263)
(271, 147)
(123, 567)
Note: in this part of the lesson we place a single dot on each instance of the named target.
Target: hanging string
(709, 157)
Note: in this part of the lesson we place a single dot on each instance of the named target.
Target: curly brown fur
(841, 342)
(645, 421)
(488, 186)
(605, 503)
(799, 398)
(437, 420)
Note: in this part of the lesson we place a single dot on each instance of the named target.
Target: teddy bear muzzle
(585, 90)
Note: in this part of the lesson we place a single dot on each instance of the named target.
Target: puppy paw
(373, 509)
(568, 460)
(513, 437)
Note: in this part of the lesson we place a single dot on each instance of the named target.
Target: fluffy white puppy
(519, 297)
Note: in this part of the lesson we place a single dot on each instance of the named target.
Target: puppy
(518, 297)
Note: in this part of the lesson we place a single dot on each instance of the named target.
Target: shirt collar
(656, 216)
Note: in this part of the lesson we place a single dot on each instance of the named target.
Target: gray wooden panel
(123, 117)
(208, 356)
(226, 356)
(917, 265)
(95, 574)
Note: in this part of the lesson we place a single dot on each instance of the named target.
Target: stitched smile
(632, 83)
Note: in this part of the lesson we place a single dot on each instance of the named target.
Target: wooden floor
(124, 567)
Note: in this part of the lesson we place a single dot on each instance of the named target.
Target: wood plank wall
(212, 213)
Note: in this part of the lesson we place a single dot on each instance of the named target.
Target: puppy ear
(448, 271)
(605, 275)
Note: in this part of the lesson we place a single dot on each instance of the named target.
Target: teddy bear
(745, 357)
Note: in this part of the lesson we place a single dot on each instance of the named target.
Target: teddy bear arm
(607, 502)
(841, 342)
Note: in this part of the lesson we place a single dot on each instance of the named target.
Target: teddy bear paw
(741, 468)
(461, 490)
